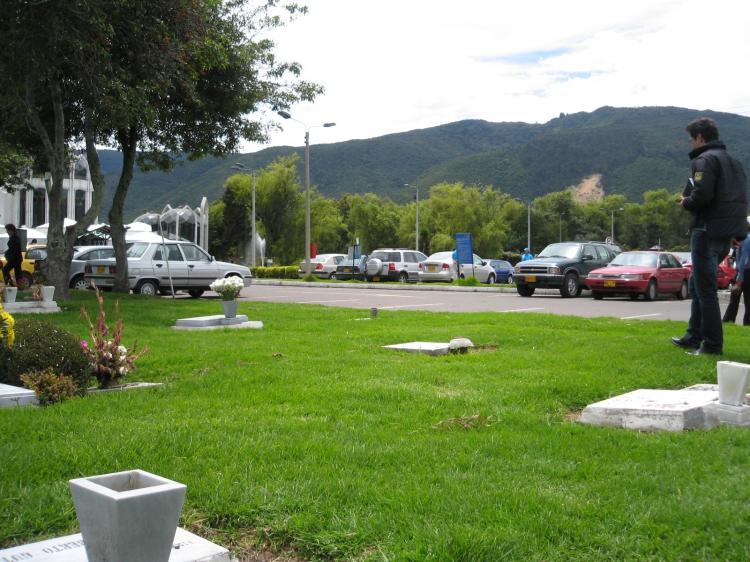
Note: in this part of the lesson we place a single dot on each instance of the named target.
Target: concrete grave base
(15, 396)
(216, 322)
(186, 547)
(724, 414)
(426, 347)
(31, 307)
(650, 410)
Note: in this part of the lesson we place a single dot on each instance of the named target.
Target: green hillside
(634, 149)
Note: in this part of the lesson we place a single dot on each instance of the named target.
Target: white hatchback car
(190, 268)
(441, 267)
(322, 265)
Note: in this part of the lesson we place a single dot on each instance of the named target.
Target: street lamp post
(528, 226)
(561, 216)
(245, 169)
(416, 230)
(287, 115)
(612, 234)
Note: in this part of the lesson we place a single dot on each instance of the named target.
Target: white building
(30, 207)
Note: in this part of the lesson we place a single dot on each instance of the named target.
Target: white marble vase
(230, 308)
(10, 294)
(128, 516)
(48, 293)
(733, 380)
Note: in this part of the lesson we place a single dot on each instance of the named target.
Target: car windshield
(135, 249)
(560, 251)
(643, 260)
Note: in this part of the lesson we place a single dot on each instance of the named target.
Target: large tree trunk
(128, 140)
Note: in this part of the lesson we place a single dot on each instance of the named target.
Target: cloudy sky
(395, 65)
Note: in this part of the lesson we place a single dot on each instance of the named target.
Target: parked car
(725, 273)
(352, 269)
(438, 267)
(503, 271)
(563, 266)
(481, 269)
(81, 255)
(190, 267)
(322, 265)
(648, 273)
(394, 264)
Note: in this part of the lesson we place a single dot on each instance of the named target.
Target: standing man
(741, 287)
(13, 256)
(716, 197)
(527, 255)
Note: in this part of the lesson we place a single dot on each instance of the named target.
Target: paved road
(392, 298)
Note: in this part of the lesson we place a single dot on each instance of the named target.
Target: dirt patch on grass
(573, 415)
(475, 421)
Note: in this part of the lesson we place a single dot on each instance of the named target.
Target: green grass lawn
(309, 437)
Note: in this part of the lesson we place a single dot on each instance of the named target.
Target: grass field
(310, 439)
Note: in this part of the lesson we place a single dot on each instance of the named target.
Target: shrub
(7, 328)
(40, 345)
(469, 282)
(276, 272)
(48, 386)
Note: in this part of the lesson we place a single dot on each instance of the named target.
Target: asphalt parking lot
(448, 299)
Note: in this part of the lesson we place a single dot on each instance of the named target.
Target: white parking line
(411, 305)
(522, 309)
(273, 297)
(394, 296)
(639, 316)
(323, 302)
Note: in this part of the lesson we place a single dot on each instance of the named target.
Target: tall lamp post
(242, 168)
(561, 216)
(416, 230)
(613, 223)
(287, 115)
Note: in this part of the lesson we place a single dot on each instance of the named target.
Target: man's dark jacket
(13, 253)
(718, 198)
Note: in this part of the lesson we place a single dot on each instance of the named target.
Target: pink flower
(84, 345)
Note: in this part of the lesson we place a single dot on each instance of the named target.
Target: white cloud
(395, 65)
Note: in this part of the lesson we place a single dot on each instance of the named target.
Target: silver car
(441, 267)
(322, 265)
(191, 269)
(81, 255)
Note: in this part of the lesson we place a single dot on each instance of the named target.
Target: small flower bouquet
(228, 287)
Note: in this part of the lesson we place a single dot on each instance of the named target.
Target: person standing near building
(527, 255)
(13, 256)
(741, 287)
(716, 197)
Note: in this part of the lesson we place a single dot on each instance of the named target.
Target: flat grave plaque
(15, 396)
(426, 347)
(187, 547)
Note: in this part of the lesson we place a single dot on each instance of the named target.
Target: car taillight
(446, 266)
(87, 269)
(420, 267)
(391, 266)
(319, 267)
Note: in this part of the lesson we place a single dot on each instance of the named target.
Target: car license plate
(347, 269)
(100, 269)
(432, 268)
(610, 284)
(531, 278)
(376, 278)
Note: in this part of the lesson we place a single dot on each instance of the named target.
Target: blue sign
(465, 248)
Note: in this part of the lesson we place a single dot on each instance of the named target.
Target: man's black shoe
(684, 344)
(703, 351)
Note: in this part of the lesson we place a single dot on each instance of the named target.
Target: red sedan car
(640, 273)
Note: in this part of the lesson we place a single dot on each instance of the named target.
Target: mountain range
(628, 150)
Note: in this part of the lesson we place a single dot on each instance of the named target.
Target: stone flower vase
(10, 294)
(230, 308)
(48, 293)
(733, 380)
(127, 516)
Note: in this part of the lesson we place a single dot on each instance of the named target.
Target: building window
(80, 204)
(40, 204)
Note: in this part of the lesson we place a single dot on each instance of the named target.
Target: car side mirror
(212, 258)
(484, 263)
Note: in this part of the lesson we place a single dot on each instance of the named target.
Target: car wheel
(651, 291)
(333, 276)
(491, 279)
(147, 288)
(403, 277)
(195, 293)
(79, 283)
(510, 280)
(682, 294)
(570, 286)
(598, 295)
(525, 290)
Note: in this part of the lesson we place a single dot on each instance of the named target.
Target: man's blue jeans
(705, 315)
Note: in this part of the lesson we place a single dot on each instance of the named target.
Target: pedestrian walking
(741, 287)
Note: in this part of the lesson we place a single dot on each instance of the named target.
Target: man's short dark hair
(704, 127)
(10, 227)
